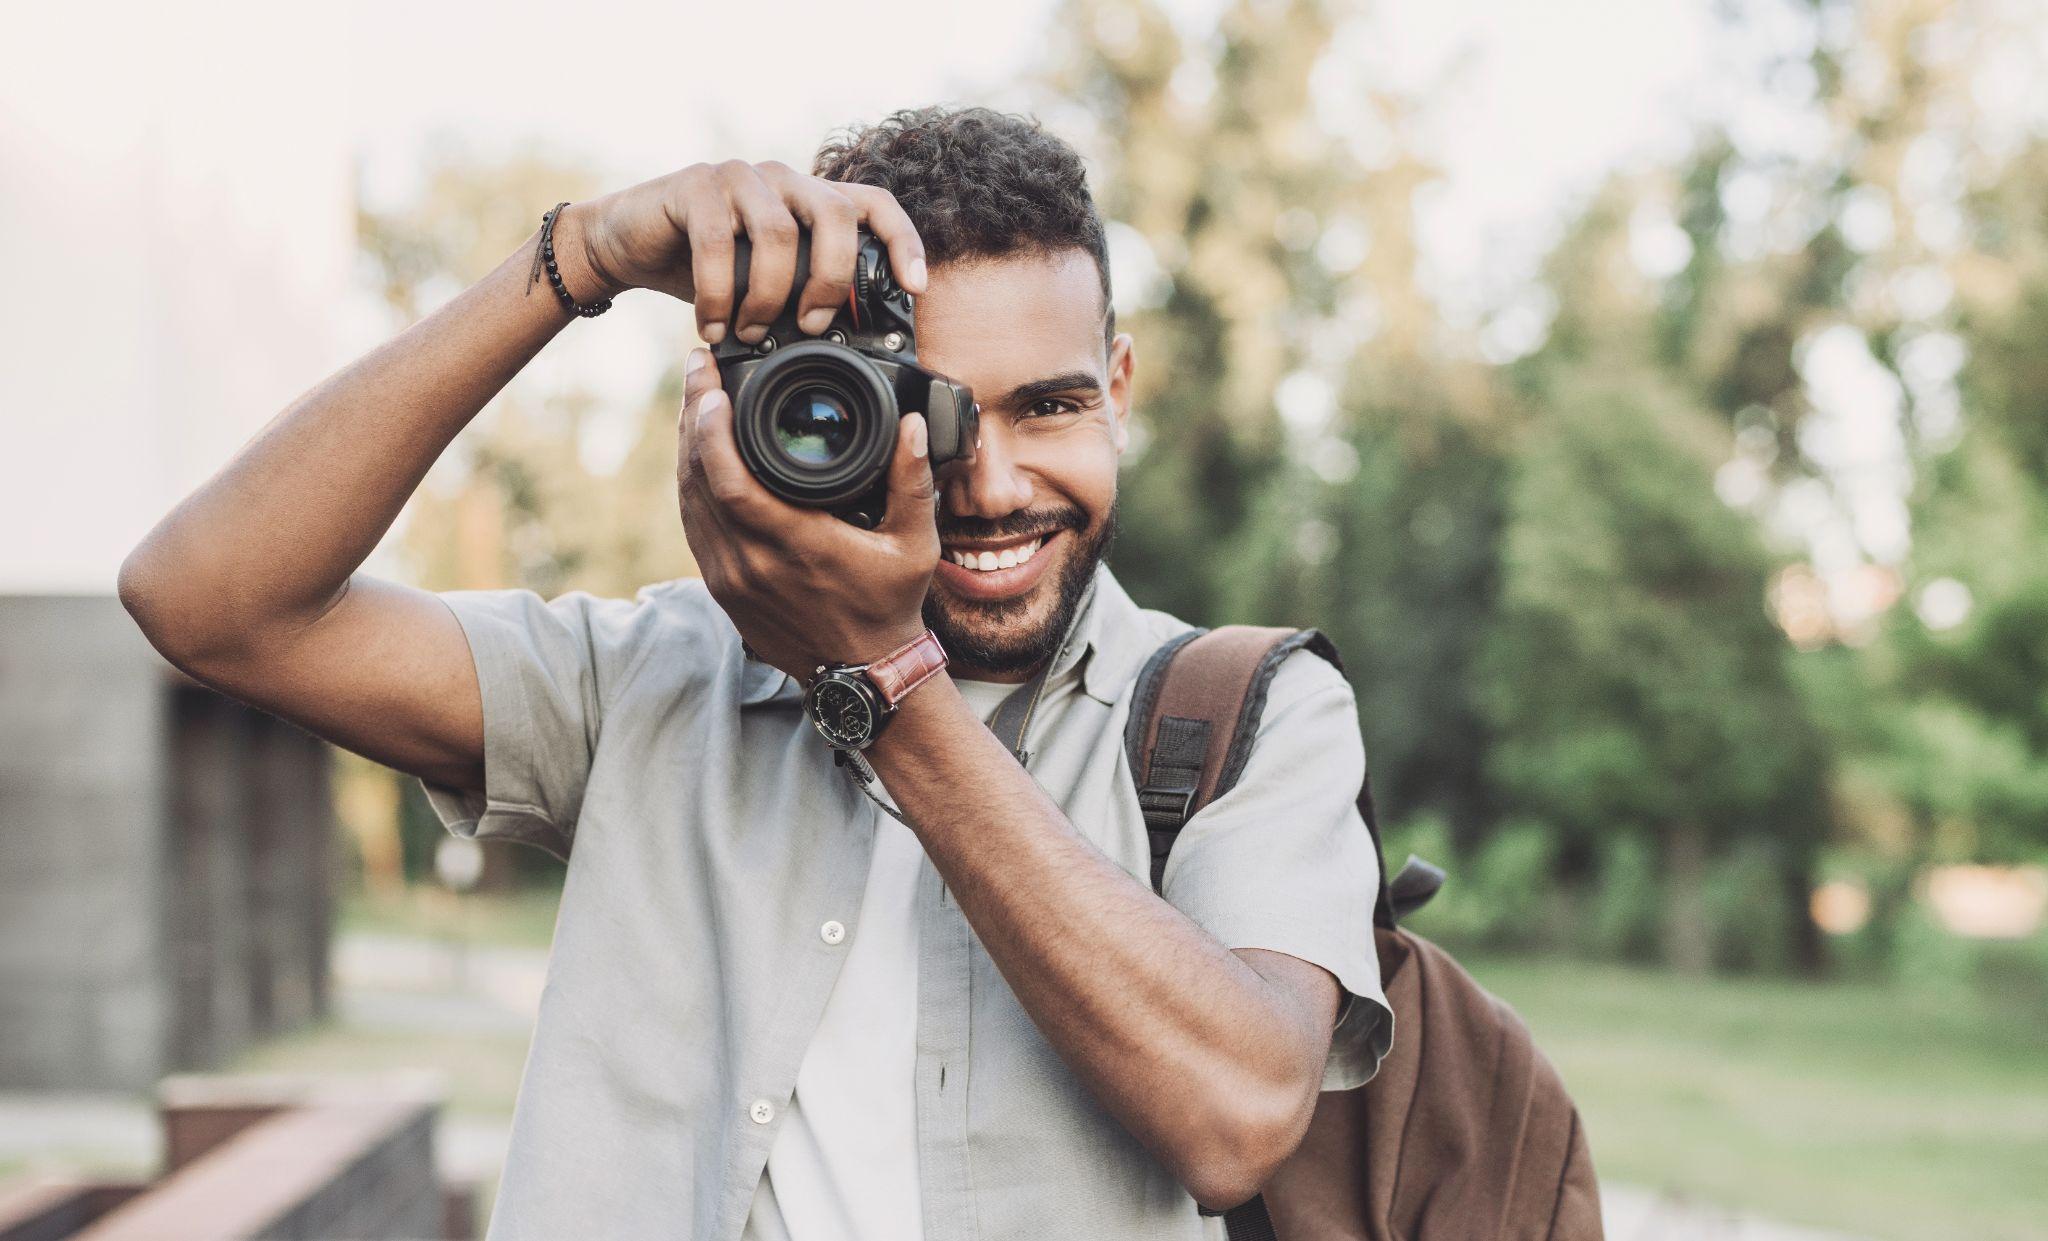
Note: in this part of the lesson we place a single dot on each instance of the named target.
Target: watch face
(842, 713)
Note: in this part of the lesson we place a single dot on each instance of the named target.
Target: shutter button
(832, 932)
(762, 1111)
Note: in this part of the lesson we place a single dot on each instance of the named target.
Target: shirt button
(762, 1111)
(832, 932)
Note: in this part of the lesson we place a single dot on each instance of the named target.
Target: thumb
(910, 483)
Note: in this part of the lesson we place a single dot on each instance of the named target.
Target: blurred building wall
(177, 208)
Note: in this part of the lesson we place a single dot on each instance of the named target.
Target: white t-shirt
(844, 1164)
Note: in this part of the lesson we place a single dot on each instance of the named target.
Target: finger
(710, 228)
(702, 529)
(887, 221)
(689, 469)
(725, 478)
(700, 375)
(910, 515)
(771, 262)
(835, 239)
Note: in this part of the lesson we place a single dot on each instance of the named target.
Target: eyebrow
(1053, 385)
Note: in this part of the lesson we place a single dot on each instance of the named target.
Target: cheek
(1082, 468)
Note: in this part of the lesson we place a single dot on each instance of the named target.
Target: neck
(968, 672)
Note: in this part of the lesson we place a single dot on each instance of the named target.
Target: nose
(994, 484)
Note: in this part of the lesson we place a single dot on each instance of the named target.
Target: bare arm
(250, 584)
(247, 585)
(1212, 1058)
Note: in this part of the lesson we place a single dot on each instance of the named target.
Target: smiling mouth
(990, 559)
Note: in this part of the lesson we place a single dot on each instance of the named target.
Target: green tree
(1635, 681)
(1309, 453)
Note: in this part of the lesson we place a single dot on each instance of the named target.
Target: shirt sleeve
(1284, 862)
(537, 667)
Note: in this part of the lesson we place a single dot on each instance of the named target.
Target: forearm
(1179, 1038)
(272, 538)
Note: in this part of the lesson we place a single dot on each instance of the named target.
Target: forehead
(996, 323)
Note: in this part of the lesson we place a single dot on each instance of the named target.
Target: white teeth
(989, 562)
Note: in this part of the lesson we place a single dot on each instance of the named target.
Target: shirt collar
(1107, 643)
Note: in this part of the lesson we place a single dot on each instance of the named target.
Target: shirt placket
(943, 966)
(804, 984)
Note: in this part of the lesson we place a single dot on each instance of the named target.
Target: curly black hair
(976, 183)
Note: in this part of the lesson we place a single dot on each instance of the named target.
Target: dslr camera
(815, 416)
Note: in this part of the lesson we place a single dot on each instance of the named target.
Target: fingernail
(752, 333)
(713, 333)
(917, 434)
(713, 399)
(915, 276)
(696, 361)
(816, 320)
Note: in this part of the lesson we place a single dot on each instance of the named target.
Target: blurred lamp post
(459, 863)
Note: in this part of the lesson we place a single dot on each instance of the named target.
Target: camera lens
(813, 426)
(816, 422)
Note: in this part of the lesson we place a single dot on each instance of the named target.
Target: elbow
(139, 591)
(178, 626)
(1250, 1138)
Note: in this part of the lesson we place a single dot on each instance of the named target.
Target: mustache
(1015, 525)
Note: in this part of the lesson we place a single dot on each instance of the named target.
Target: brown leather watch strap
(907, 667)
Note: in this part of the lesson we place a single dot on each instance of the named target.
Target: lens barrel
(816, 423)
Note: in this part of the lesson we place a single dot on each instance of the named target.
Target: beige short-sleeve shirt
(716, 864)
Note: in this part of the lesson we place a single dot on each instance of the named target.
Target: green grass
(1858, 1106)
(1889, 1111)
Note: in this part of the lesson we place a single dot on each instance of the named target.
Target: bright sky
(1527, 103)
(1527, 107)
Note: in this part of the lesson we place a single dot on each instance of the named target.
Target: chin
(993, 632)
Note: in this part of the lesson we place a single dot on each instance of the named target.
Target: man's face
(1037, 505)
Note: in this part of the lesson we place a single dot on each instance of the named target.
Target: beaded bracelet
(546, 256)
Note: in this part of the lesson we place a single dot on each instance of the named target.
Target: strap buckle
(1165, 807)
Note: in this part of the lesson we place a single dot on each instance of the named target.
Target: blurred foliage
(1634, 581)
(1724, 560)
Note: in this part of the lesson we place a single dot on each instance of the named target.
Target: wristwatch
(850, 704)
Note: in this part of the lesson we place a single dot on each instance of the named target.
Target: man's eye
(1051, 407)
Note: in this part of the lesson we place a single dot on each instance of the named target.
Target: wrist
(852, 704)
(575, 254)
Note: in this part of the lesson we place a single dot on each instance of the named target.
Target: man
(774, 1010)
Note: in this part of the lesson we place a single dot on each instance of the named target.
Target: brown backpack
(1466, 1132)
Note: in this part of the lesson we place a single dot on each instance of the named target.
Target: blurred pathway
(386, 984)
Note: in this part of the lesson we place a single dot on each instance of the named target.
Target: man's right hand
(675, 234)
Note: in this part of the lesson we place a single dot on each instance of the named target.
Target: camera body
(815, 416)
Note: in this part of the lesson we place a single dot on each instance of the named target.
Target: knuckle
(774, 168)
(731, 170)
(711, 242)
(777, 227)
(833, 207)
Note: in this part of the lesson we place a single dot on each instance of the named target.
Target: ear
(1123, 360)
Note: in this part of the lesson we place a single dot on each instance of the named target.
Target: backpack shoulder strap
(1194, 715)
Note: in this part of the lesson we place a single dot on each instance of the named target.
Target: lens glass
(813, 426)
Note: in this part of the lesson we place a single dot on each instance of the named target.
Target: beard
(999, 637)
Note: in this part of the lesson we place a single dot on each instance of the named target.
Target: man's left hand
(803, 587)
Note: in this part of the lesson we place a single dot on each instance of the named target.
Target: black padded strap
(1171, 780)
(1249, 1222)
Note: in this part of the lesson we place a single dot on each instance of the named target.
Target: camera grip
(742, 262)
